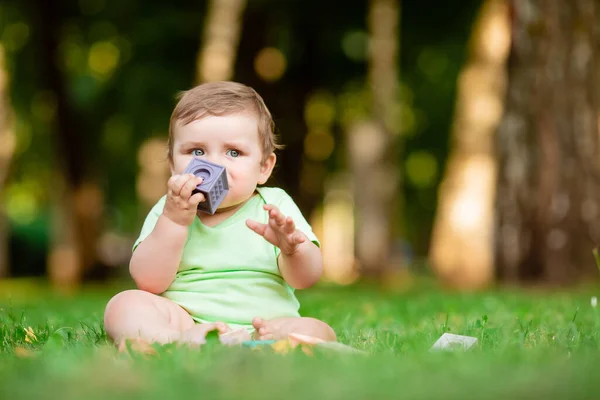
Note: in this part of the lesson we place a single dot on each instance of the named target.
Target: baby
(237, 268)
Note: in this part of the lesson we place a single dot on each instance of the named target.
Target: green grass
(531, 345)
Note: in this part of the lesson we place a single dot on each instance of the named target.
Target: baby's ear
(266, 168)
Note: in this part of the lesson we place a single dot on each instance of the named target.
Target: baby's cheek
(236, 176)
(180, 164)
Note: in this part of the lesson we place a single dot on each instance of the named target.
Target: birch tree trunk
(216, 58)
(372, 146)
(548, 191)
(462, 251)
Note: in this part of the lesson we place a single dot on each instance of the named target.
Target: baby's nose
(217, 159)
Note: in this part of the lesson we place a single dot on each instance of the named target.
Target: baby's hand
(181, 206)
(279, 231)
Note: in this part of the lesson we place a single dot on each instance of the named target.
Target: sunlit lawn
(531, 345)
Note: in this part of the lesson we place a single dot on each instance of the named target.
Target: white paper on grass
(450, 341)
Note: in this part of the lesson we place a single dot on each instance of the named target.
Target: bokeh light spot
(421, 169)
(15, 36)
(103, 59)
(320, 110)
(318, 145)
(270, 64)
(355, 45)
(21, 204)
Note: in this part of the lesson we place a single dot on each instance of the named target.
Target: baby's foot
(196, 335)
(266, 330)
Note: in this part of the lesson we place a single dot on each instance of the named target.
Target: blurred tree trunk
(77, 204)
(7, 147)
(462, 240)
(373, 149)
(216, 58)
(548, 195)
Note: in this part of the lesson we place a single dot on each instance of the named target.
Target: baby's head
(223, 99)
(227, 123)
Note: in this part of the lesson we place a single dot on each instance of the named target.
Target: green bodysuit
(230, 273)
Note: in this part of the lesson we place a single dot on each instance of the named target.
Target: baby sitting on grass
(236, 268)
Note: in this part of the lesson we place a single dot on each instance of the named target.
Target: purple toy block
(214, 184)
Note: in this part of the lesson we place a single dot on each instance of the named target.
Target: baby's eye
(233, 153)
(197, 152)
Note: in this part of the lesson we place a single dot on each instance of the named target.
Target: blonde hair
(224, 98)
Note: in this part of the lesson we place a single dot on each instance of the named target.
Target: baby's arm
(300, 260)
(304, 267)
(155, 261)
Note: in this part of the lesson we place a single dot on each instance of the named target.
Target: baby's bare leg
(280, 328)
(140, 315)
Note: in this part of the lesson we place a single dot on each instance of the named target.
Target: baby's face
(232, 141)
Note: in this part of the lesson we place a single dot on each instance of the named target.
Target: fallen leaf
(282, 346)
(30, 335)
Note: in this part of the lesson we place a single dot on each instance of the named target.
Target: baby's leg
(280, 328)
(143, 316)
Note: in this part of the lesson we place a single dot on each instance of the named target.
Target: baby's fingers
(171, 184)
(196, 199)
(275, 215)
(189, 186)
(295, 239)
(289, 226)
(257, 227)
(176, 183)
